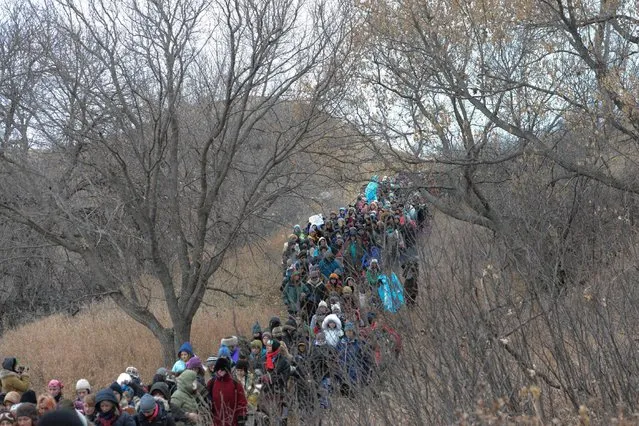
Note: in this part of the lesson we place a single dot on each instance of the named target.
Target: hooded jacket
(11, 380)
(332, 334)
(180, 365)
(119, 419)
(185, 395)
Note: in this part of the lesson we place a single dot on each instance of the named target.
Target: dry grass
(101, 341)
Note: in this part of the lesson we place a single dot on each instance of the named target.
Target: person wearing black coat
(153, 413)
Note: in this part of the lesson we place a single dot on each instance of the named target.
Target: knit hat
(257, 344)
(257, 328)
(83, 384)
(29, 396)
(242, 364)
(347, 290)
(336, 309)
(349, 326)
(194, 363)
(161, 387)
(291, 324)
(322, 303)
(162, 371)
(333, 276)
(55, 383)
(115, 387)
(147, 403)
(210, 361)
(222, 364)
(27, 409)
(229, 341)
(60, 418)
(133, 372)
(274, 322)
(267, 334)
(275, 344)
(12, 397)
(6, 415)
(105, 395)
(224, 352)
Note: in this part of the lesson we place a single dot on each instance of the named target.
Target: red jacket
(229, 401)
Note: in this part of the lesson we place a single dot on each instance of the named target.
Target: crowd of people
(332, 342)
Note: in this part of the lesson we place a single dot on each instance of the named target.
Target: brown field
(100, 341)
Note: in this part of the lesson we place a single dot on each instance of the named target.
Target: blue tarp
(371, 191)
(391, 292)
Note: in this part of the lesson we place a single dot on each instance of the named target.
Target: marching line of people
(338, 281)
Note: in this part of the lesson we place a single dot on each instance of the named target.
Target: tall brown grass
(101, 341)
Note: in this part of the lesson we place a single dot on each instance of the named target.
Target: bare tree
(168, 126)
(519, 119)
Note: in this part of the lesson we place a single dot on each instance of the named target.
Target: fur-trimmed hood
(331, 318)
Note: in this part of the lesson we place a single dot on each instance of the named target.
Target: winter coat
(333, 335)
(163, 418)
(123, 419)
(353, 364)
(180, 365)
(322, 361)
(292, 295)
(372, 276)
(185, 396)
(118, 418)
(315, 291)
(11, 380)
(278, 376)
(228, 401)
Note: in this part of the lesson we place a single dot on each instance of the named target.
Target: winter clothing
(105, 395)
(332, 334)
(194, 363)
(114, 417)
(180, 365)
(6, 415)
(229, 341)
(161, 387)
(11, 379)
(184, 396)
(13, 397)
(229, 402)
(147, 403)
(186, 347)
(257, 329)
(61, 418)
(158, 417)
(27, 409)
(29, 396)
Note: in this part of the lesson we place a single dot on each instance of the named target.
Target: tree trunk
(181, 333)
(167, 343)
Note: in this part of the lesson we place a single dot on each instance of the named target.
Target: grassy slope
(101, 341)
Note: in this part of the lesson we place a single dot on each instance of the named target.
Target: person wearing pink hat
(55, 387)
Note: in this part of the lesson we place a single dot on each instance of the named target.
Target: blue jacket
(327, 268)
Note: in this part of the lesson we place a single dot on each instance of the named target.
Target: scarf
(155, 413)
(270, 365)
(106, 419)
